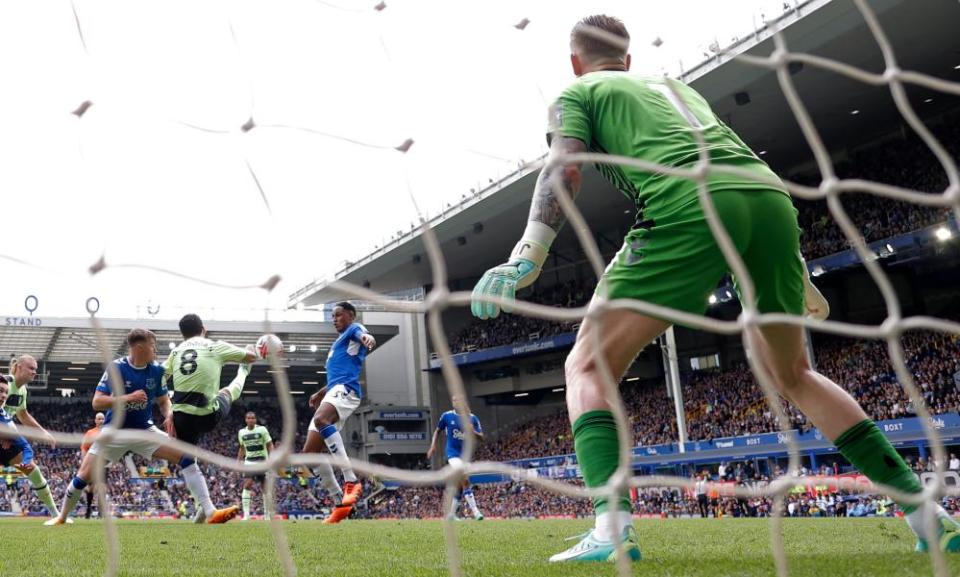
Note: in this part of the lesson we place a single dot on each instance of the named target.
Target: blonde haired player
(15, 451)
(23, 370)
(671, 258)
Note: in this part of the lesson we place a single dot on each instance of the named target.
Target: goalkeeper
(670, 258)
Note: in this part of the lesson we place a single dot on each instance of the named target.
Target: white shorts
(455, 461)
(116, 449)
(343, 400)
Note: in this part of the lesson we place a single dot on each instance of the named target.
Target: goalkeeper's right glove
(523, 268)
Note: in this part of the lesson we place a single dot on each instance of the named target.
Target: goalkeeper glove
(523, 268)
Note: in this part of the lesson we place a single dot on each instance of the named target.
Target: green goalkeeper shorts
(678, 264)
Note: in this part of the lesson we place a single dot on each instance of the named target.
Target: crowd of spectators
(729, 403)
(502, 500)
(509, 328)
(717, 403)
(906, 163)
(160, 495)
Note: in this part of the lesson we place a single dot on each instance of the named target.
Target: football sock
(42, 489)
(871, 453)
(74, 491)
(331, 436)
(89, 510)
(472, 501)
(198, 486)
(601, 528)
(597, 446)
(235, 388)
(245, 500)
(455, 508)
(329, 481)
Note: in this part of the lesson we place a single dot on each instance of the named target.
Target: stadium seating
(717, 403)
(906, 162)
(729, 403)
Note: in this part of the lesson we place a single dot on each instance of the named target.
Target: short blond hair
(587, 38)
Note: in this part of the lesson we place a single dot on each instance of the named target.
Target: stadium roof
(480, 231)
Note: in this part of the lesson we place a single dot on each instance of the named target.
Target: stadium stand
(729, 403)
(718, 403)
(903, 162)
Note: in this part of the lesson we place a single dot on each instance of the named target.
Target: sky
(157, 171)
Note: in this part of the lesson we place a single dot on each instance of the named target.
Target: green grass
(682, 547)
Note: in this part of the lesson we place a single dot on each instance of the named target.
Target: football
(269, 344)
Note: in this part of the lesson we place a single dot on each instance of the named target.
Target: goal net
(389, 159)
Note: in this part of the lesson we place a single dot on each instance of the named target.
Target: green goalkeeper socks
(867, 449)
(597, 446)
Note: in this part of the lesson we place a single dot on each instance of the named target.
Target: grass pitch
(682, 547)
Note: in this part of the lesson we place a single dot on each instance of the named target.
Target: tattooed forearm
(545, 207)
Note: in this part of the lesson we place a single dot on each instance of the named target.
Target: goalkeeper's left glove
(523, 268)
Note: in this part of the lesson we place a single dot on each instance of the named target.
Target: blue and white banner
(546, 462)
(898, 430)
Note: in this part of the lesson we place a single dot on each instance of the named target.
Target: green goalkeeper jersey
(194, 367)
(17, 397)
(619, 113)
(254, 442)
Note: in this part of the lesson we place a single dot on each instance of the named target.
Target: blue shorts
(23, 449)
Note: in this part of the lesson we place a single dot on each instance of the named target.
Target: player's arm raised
(544, 222)
(233, 354)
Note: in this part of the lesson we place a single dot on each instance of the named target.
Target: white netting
(441, 298)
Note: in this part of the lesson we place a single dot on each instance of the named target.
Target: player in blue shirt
(143, 387)
(15, 451)
(335, 402)
(452, 428)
